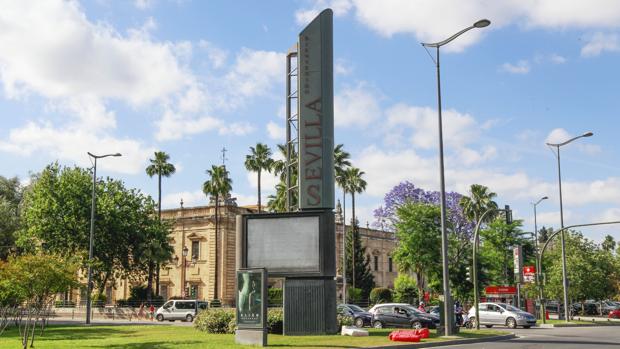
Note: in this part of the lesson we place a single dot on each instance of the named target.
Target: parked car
(502, 314)
(608, 306)
(614, 314)
(586, 309)
(374, 308)
(180, 309)
(433, 310)
(386, 315)
(360, 316)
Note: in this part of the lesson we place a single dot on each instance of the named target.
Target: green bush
(215, 320)
(354, 294)
(275, 296)
(344, 320)
(275, 320)
(405, 289)
(99, 300)
(380, 295)
(232, 325)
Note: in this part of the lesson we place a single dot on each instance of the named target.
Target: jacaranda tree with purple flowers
(460, 229)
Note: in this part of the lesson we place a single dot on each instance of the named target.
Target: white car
(180, 309)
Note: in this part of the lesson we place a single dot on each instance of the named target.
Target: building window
(163, 291)
(390, 264)
(376, 263)
(195, 250)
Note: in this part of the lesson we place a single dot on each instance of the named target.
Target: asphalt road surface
(565, 338)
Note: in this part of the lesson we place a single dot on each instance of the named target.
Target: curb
(596, 324)
(449, 342)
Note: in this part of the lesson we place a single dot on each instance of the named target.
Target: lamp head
(482, 23)
(587, 134)
(185, 250)
(544, 198)
(117, 154)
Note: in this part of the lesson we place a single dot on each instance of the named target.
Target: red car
(614, 314)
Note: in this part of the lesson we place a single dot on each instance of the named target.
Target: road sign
(529, 270)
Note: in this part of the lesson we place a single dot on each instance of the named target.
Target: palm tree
(480, 200)
(258, 160)
(341, 163)
(161, 167)
(354, 183)
(217, 186)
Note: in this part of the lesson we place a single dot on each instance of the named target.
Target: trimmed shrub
(344, 320)
(216, 303)
(99, 300)
(215, 320)
(405, 289)
(275, 320)
(380, 295)
(354, 294)
(275, 296)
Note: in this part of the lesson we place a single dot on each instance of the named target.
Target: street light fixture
(92, 233)
(564, 274)
(448, 308)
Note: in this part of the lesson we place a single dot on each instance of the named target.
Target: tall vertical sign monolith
(316, 114)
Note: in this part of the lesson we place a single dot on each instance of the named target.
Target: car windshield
(508, 307)
(167, 305)
(355, 308)
(414, 310)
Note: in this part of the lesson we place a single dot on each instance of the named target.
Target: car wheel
(488, 326)
(377, 324)
(511, 322)
(160, 317)
(359, 322)
(417, 325)
(189, 318)
(527, 326)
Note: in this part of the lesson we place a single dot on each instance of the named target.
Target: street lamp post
(89, 286)
(448, 308)
(183, 266)
(564, 274)
(537, 273)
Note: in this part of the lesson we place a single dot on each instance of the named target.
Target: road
(565, 338)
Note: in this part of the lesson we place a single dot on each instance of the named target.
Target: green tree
(405, 289)
(162, 168)
(10, 198)
(257, 161)
(218, 186)
(56, 219)
(498, 240)
(358, 264)
(354, 184)
(35, 280)
(609, 244)
(418, 230)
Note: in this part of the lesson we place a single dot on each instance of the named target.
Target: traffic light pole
(475, 254)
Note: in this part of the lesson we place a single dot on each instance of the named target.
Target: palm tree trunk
(217, 274)
(159, 213)
(353, 238)
(259, 207)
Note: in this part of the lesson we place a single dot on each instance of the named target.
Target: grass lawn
(159, 337)
(584, 321)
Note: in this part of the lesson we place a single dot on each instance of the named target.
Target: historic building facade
(196, 253)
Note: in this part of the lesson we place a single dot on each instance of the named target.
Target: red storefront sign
(529, 270)
(500, 290)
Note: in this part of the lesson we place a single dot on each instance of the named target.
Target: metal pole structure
(344, 246)
(475, 260)
(182, 253)
(89, 286)
(537, 265)
(564, 273)
(448, 309)
(542, 251)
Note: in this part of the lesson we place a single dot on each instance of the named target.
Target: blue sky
(192, 77)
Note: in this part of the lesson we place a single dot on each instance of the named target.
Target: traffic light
(468, 273)
(508, 212)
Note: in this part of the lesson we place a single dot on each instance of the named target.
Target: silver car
(502, 314)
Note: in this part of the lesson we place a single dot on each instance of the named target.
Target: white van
(180, 309)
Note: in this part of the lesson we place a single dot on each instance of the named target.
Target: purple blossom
(407, 192)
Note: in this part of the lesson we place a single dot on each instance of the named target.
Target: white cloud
(342, 67)
(557, 59)
(521, 67)
(434, 20)
(176, 125)
(458, 128)
(143, 4)
(216, 55)
(610, 214)
(275, 131)
(356, 106)
(339, 7)
(256, 72)
(72, 141)
(560, 135)
(268, 181)
(600, 42)
(190, 198)
(236, 129)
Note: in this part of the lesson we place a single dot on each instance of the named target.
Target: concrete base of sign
(353, 331)
(251, 337)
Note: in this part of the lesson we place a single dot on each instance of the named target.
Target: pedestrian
(458, 311)
(421, 307)
(152, 311)
(141, 311)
